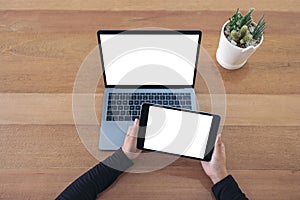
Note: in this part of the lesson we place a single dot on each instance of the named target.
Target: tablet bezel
(211, 138)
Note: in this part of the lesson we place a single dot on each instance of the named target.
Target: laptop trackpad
(112, 134)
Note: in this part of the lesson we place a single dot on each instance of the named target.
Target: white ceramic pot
(230, 56)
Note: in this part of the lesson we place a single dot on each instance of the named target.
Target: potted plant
(239, 39)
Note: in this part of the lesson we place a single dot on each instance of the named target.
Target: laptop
(144, 66)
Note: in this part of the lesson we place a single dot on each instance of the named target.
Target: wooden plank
(54, 64)
(242, 110)
(169, 183)
(42, 146)
(37, 21)
(45, 146)
(34, 49)
(289, 5)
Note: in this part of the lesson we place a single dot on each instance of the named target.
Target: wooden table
(43, 43)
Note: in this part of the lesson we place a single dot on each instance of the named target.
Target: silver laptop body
(153, 66)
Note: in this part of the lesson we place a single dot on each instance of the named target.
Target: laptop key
(115, 112)
(130, 102)
(115, 118)
(127, 118)
(131, 107)
(126, 107)
(171, 102)
(108, 118)
(121, 118)
(114, 107)
(120, 107)
(186, 97)
(188, 102)
(123, 112)
(165, 102)
(134, 117)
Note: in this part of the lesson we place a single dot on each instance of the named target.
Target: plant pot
(233, 57)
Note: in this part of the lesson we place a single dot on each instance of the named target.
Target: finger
(219, 140)
(136, 126)
(218, 143)
(136, 122)
(133, 131)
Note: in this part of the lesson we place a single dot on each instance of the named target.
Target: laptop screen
(149, 58)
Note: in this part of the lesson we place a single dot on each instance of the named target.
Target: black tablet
(178, 131)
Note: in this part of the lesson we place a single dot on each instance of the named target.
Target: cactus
(243, 35)
(243, 31)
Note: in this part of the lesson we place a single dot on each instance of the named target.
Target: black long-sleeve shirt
(100, 177)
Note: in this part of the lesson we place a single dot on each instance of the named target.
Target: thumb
(219, 140)
(219, 143)
(136, 122)
(133, 130)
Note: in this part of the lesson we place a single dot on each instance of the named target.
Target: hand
(129, 145)
(216, 168)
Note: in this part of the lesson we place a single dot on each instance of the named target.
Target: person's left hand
(129, 145)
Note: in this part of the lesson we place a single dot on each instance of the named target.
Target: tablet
(186, 133)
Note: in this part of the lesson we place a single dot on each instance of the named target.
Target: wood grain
(44, 43)
(53, 109)
(169, 183)
(289, 5)
(35, 49)
(80, 21)
(53, 146)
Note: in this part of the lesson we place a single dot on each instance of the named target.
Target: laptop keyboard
(127, 106)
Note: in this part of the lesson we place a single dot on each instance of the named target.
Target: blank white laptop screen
(177, 132)
(149, 59)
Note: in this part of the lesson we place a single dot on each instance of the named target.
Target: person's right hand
(129, 145)
(216, 168)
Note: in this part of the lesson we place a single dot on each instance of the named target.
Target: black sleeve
(97, 179)
(228, 189)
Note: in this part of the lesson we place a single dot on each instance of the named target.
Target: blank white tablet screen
(177, 132)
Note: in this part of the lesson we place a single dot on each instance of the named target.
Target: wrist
(218, 177)
(129, 155)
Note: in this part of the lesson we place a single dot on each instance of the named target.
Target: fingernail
(136, 121)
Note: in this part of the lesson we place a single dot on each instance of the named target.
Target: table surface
(42, 45)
